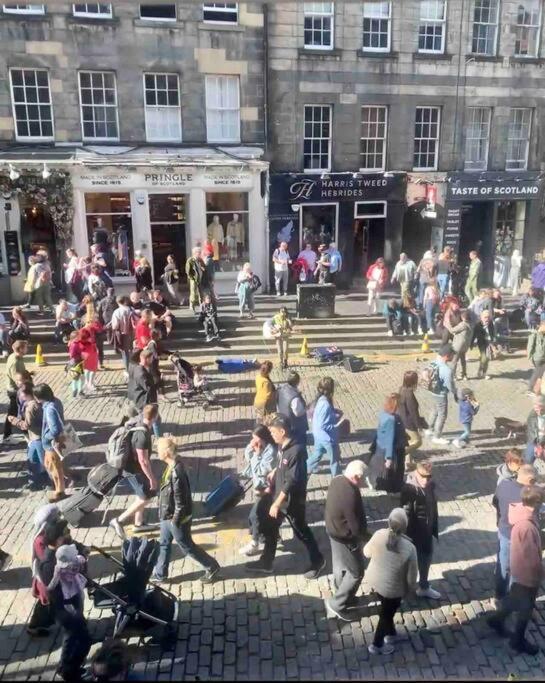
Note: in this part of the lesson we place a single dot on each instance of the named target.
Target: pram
(187, 392)
(140, 608)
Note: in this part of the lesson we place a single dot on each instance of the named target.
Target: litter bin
(316, 301)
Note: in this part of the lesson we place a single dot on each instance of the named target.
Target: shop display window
(227, 229)
(318, 224)
(167, 214)
(109, 225)
(510, 224)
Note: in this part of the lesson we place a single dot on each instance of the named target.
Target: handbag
(70, 439)
(343, 428)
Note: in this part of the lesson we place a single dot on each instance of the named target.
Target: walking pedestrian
(377, 277)
(335, 263)
(409, 412)
(90, 360)
(387, 466)
(468, 407)
(265, 392)
(325, 418)
(419, 501)
(245, 292)
(526, 569)
(346, 526)
(309, 256)
(143, 329)
(171, 278)
(444, 266)
(391, 574)
(122, 324)
(425, 272)
(52, 438)
(535, 431)
(441, 386)
(176, 516)
(74, 367)
(143, 275)
(291, 404)
(431, 304)
(281, 261)
(42, 283)
(281, 329)
(472, 283)
(484, 337)
(29, 287)
(288, 483)
(260, 457)
(462, 336)
(194, 270)
(535, 351)
(404, 274)
(14, 364)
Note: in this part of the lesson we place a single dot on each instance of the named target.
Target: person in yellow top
(282, 328)
(15, 364)
(265, 392)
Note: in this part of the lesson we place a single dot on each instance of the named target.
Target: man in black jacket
(289, 487)
(346, 526)
(142, 387)
(175, 515)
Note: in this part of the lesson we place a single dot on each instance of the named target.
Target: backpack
(118, 450)
(430, 379)
(255, 283)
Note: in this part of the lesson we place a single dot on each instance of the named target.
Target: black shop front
(362, 214)
(494, 214)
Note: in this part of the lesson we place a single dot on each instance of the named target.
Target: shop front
(362, 214)
(494, 214)
(423, 224)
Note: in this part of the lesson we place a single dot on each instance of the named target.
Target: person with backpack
(176, 515)
(105, 310)
(122, 324)
(290, 402)
(535, 351)
(42, 282)
(244, 290)
(394, 315)
(438, 378)
(142, 385)
(129, 450)
(484, 338)
(95, 284)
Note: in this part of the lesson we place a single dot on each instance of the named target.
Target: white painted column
(196, 219)
(259, 249)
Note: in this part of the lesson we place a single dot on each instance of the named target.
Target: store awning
(133, 156)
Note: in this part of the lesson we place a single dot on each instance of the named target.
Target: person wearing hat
(535, 431)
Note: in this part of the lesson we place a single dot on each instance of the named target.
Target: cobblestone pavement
(275, 627)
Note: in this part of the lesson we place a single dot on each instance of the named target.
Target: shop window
(109, 223)
(220, 12)
(477, 138)
(159, 12)
(162, 108)
(510, 225)
(227, 228)
(317, 138)
(485, 27)
(377, 26)
(32, 108)
(432, 28)
(527, 28)
(222, 109)
(24, 9)
(426, 138)
(374, 126)
(93, 10)
(318, 25)
(167, 215)
(98, 100)
(318, 224)
(518, 139)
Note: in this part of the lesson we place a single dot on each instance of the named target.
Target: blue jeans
(430, 310)
(182, 536)
(464, 436)
(530, 454)
(502, 566)
(156, 427)
(420, 298)
(424, 564)
(332, 450)
(442, 281)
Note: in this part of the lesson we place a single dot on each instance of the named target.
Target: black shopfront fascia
(345, 195)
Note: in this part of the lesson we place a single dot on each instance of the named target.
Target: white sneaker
(390, 333)
(5, 353)
(457, 443)
(404, 334)
(428, 593)
(487, 377)
(389, 640)
(250, 549)
(369, 483)
(439, 440)
(428, 432)
(118, 529)
(386, 649)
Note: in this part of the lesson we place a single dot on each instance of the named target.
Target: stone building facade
(455, 71)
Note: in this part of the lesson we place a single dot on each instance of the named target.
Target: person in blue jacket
(387, 466)
(325, 419)
(52, 433)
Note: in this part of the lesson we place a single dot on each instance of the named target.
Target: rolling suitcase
(80, 504)
(328, 354)
(103, 478)
(228, 494)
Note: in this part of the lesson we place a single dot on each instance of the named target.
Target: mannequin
(514, 272)
(216, 236)
(235, 236)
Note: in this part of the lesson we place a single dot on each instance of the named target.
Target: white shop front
(160, 212)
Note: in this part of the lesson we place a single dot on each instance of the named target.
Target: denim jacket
(259, 465)
(53, 425)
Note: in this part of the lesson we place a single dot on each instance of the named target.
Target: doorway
(38, 232)
(369, 235)
(168, 232)
(476, 234)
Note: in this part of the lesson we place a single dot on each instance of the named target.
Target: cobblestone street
(275, 627)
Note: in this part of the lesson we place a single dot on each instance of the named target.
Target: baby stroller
(187, 392)
(140, 608)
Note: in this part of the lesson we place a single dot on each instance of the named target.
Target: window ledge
(25, 17)
(210, 26)
(432, 56)
(526, 60)
(310, 52)
(92, 21)
(484, 58)
(152, 23)
(378, 54)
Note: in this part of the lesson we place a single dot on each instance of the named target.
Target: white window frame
(147, 107)
(208, 82)
(211, 7)
(314, 13)
(437, 139)
(433, 22)
(14, 104)
(92, 15)
(23, 9)
(474, 136)
(529, 27)
(494, 23)
(384, 139)
(158, 18)
(359, 214)
(530, 113)
(109, 106)
(326, 169)
(377, 18)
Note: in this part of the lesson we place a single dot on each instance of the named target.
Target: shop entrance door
(369, 235)
(476, 233)
(168, 232)
(38, 232)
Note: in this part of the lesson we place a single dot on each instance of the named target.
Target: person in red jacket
(75, 364)
(377, 277)
(526, 569)
(90, 359)
(143, 329)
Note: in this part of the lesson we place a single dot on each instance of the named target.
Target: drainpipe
(266, 132)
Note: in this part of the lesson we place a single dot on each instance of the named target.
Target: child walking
(74, 367)
(90, 359)
(468, 408)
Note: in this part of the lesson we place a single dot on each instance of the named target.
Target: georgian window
(222, 109)
(92, 10)
(527, 28)
(24, 9)
(374, 130)
(162, 108)
(377, 26)
(432, 28)
(31, 99)
(485, 27)
(518, 139)
(159, 12)
(220, 12)
(477, 138)
(319, 25)
(426, 138)
(317, 138)
(98, 101)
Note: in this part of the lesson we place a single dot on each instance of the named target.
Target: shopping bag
(71, 441)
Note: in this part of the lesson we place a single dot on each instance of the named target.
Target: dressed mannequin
(514, 272)
(216, 236)
(235, 236)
